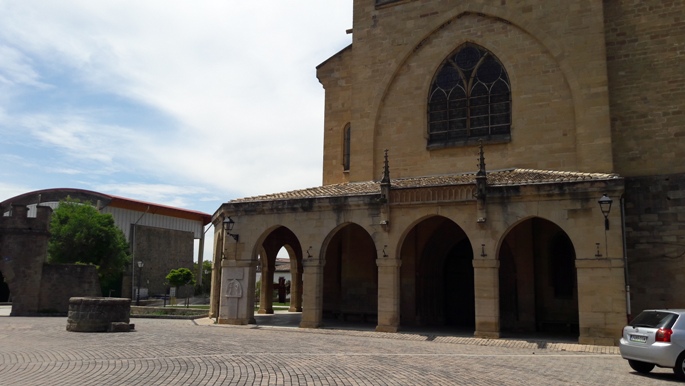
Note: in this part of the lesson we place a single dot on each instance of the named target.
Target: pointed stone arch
(538, 289)
(437, 275)
(350, 275)
(270, 244)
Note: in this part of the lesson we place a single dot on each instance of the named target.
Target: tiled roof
(334, 190)
(532, 176)
(495, 178)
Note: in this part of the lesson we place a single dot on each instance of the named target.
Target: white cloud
(8, 190)
(236, 81)
(15, 68)
(170, 195)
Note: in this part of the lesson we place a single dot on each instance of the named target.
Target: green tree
(206, 272)
(180, 277)
(79, 234)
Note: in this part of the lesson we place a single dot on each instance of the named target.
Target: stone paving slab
(39, 351)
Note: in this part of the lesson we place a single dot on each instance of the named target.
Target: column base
(310, 324)
(237, 322)
(487, 334)
(295, 309)
(380, 328)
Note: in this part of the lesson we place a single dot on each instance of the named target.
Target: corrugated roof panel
(124, 218)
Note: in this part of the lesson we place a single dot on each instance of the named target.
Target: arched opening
(437, 282)
(280, 272)
(538, 286)
(350, 284)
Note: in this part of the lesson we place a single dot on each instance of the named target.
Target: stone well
(98, 314)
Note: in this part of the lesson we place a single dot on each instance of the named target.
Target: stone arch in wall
(538, 288)
(437, 280)
(401, 113)
(350, 275)
(279, 237)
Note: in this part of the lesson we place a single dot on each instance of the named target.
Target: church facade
(489, 165)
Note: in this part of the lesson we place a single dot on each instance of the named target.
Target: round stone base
(97, 314)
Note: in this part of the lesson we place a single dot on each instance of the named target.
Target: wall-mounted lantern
(605, 205)
(228, 227)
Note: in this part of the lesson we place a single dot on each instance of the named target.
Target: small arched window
(469, 100)
(346, 147)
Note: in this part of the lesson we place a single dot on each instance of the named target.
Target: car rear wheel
(641, 367)
(679, 368)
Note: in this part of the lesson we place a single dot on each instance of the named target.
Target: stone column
(295, 286)
(486, 288)
(388, 294)
(312, 299)
(601, 300)
(266, 293)
(215, 289)
(237, 292)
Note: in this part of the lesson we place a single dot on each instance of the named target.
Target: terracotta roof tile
(532, 176)
(495, 178)
(334, 190)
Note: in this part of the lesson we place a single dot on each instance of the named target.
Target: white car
(655, 338)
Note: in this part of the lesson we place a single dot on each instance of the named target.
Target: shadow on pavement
(287, 319)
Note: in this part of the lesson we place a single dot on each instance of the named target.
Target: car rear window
(654, 319)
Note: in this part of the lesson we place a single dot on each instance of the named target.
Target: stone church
(493, 166)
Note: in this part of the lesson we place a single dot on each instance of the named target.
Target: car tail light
(663, 335)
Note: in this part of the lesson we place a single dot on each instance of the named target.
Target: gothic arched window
(469, 100)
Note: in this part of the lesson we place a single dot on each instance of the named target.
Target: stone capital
(388, 262)
(238, 263)
(312, 262)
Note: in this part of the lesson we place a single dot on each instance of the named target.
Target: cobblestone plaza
(39, 351)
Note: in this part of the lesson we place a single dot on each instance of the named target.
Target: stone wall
(655, 239)
(554, 56)
(645, 51)
(23, 246)
(37, 287)
(63, 281)
(645, 47)
(334, 75)
(161, 250)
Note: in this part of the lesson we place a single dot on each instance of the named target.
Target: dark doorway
(460, 308)
(437, 280)
(538, 287)
(4, 290)
(350, 285)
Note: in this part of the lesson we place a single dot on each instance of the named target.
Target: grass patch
(193, 306)
(275, 305)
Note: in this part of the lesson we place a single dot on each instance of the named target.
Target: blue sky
(182, 103)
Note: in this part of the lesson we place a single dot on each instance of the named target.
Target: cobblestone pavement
(39, 351)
